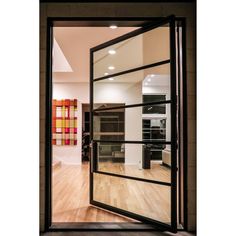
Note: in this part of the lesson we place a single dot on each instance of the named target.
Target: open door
(133, 125)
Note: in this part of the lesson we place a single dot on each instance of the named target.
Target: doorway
(112, 153)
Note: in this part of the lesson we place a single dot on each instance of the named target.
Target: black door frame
(171, 21)
(103, 21)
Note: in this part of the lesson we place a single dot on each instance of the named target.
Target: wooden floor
(156, 172)
(71, 195)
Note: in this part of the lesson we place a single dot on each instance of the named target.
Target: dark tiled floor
(102, 233)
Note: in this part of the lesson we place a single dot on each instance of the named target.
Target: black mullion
(179, 122)
(133, 178)
(133, 70)
(91, 130)
(185, 126)
(48, 127)
(173, 126)
(133, 105)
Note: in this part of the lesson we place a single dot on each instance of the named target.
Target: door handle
(93, 156)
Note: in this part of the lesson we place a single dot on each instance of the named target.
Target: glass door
(133, 125)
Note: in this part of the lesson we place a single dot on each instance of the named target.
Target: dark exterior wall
(126, 10)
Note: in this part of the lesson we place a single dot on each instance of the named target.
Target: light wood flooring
(70, 197)
(71, 194)
(157, 171)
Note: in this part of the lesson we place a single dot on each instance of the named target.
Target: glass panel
(147, 48)
(130, 88)
(152, 161)
(146, 199)
(148, 123)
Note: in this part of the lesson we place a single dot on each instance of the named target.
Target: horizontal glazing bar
(134, 33)
(133, 105)
(134, 142)
(134, 178)
(133, 70)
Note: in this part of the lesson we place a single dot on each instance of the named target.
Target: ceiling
(60, 63)
(75, 44)
(71, 55)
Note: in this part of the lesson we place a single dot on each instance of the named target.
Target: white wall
(127, 93)
(131, 93)
(104, 93)
(79, 91)
(162, 90)
(109, 92)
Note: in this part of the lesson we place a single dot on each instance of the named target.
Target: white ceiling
(60, 63)
(71, 58)
(156, 80)
(129, 54)
(75, 44)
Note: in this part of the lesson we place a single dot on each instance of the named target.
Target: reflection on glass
(146, 199)
(147, 98)
(130, 88)
(148, 123)
(147, 48)
(109, 124)
(146, 161)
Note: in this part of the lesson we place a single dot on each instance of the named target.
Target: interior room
(111, 124)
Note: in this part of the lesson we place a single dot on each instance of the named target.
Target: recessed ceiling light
(149, 79)
(112, 51)
(106, 73)
(111, 79)
(145, 83)
(113, 26)
(111, 67)
(152, 75)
